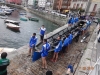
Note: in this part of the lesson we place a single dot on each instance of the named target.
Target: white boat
(3, 17)
(12, 26)
(2, 12)
(6, 8)
(7, 12)
(11, 21)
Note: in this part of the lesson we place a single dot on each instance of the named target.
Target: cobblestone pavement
(22, 65)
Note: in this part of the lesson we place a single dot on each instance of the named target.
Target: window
(77, 6)
(94, 7)
(74, 6)
(74, 0)
(81, 6)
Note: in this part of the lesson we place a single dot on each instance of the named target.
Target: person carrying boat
(4, 62)
(65, 44)
(57, 49)
(32, 44)
(42, 32)
(44, 53)
(70, 38)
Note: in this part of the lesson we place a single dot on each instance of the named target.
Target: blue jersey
(76, 19)
(72, 21)
(66, 42)
(45, 49)
(33, 41)
(58, 47)
(69, 21)
(88, 23)
(42, 31)
(70, 38)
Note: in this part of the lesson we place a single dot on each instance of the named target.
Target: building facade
(77, 4)
(14, 1)
(95, 6)
(42, 3)
(61, 4)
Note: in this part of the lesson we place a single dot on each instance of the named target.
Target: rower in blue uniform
(44, 53)
(70, 38)
(57, 49)
(65, 44)
(32, 44)
(42, 32)
(76, 19)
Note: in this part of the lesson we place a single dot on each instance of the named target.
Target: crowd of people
(61, 46)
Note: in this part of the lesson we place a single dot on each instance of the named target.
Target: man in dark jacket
(4, 62)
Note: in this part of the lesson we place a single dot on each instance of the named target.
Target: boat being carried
(12, 26)
(11, 21)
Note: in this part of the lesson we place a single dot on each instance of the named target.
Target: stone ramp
(23, 65)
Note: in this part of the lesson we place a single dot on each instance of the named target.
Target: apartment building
(76, 4)
(95, 6)
(42, 3)
(61, 4)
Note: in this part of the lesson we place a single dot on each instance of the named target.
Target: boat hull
(33, 19)
(13, 28)
(7, 21)
(23, 19)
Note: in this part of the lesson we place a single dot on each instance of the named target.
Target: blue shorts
(70, 41)
(31, 46)
(56, 51)
(43, 55)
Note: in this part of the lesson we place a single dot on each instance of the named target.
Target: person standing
(42, 32)
(65, 44)
(58, 48)
(32, 44)
(70, 39)
(4, 62)
(44, 53)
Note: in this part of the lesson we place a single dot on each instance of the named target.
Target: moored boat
(22, 13)
(11, 21)
(12, 26)
(3, 17)
(33, 19)
(23, 19)
(8, 12)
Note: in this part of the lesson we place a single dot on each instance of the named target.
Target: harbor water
(12, 39)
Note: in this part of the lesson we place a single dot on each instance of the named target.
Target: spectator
(42, 32)
(32, 44)
(44, 53)
(4, 62)
(69, 69)
(58, 48)
(49, 73)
